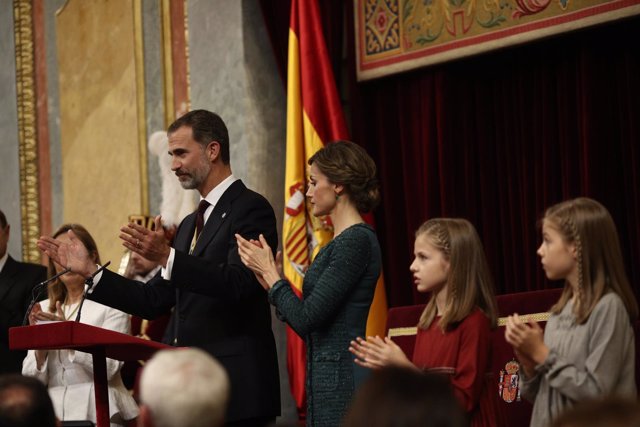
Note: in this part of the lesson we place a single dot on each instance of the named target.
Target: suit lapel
(212, 226)
(8, 276)
(220, 213)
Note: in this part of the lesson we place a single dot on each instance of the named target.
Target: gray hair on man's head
(184, 387)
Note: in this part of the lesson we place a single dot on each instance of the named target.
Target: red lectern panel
(101, 343)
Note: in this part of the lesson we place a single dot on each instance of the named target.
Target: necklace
(64, 310)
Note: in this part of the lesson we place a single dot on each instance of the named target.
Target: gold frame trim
(533, 317)
(402, 332)
(140, 104)
(409, 331)
(27, 128)
(169, 110)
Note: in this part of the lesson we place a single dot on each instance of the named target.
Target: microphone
(37, 290)
(89, 283)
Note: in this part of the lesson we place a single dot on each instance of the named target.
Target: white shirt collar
(214, 195)
(3, 260)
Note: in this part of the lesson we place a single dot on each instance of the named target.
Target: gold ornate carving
(28, 146)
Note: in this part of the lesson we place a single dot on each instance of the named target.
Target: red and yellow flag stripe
(314, 117)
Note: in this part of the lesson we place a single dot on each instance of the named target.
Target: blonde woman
(69, 373)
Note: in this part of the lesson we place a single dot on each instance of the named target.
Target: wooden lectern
(100, 343)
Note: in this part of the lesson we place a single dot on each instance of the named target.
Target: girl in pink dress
(454, 329)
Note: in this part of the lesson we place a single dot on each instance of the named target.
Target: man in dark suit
(16, 283)
(218, 304)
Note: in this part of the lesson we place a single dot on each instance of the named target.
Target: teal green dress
(337, 292)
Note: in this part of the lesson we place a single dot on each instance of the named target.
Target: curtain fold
(496, 139)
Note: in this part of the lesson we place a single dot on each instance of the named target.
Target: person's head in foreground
(402, 397)
(25, 402)
(183, 388)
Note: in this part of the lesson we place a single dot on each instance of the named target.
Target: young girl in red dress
(454, 330)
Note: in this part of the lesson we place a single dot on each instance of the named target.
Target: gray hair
(184, 387)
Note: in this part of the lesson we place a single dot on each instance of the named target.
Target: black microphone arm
(37, 290)
(89, 283)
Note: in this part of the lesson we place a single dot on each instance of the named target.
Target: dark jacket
(219, 305)
(17, 280)
(338, 289)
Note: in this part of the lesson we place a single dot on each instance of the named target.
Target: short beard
(189, 184)
(196, 177)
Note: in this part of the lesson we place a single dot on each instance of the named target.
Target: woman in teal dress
(338, 286)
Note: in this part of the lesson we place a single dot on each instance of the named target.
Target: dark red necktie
(202, 207)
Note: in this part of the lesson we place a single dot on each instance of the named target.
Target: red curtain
(497, 138)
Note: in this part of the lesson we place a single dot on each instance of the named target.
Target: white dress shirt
(213, 198)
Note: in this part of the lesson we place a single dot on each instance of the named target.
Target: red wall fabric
(497, 138)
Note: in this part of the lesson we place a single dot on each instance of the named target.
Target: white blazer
(69, 373)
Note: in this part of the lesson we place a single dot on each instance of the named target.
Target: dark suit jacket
(219, 305)
(17, 279)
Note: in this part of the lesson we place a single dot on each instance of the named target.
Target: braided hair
(587, 225)
(469, 282)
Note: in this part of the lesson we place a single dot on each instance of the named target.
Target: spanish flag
(314, 118)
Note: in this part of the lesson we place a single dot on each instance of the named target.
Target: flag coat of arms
(314, 118)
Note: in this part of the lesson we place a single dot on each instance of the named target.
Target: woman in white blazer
(69, 373)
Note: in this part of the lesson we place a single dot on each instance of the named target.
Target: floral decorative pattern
(397, 35)
(382, 26)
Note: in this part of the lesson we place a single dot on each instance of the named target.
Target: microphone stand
(37, 290)
(89, 283)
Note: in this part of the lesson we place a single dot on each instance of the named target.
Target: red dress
(463, 354)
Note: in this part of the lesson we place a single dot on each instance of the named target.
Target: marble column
(232, 72)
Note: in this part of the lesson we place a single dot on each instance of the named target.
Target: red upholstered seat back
(401, 327)
(536, 304)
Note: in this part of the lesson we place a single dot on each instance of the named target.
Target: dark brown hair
(398, 396)
(588, 225)
(469, 281)
(346, 163)
(605, 412)
(206, 127)
(25, 402)
(56, 289)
